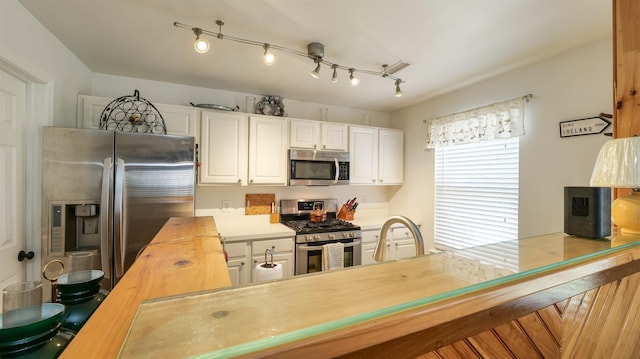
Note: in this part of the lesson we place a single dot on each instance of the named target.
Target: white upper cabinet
(390, 156)
(179, 120)
(268, 145)
(319, 135)
(241, 149)
(223, 148)
(363, 148)
(376, 155)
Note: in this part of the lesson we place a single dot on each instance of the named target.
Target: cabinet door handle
(241, 263)
(251, 181)
(239, 180)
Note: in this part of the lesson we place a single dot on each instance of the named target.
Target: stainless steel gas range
(312, 234)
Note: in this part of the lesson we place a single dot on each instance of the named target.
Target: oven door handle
(315, 248)
(335, 180)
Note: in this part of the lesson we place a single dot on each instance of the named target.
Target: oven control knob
(317, 237)
(332, 236)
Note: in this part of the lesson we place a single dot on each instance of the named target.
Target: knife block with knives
(348, 210)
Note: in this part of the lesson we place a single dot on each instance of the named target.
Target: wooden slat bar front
(185, 256)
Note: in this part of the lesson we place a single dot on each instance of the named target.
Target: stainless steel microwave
(318, 168)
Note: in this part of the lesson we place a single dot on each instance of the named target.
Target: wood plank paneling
(601, 323)
(489, 345)
(540, 335)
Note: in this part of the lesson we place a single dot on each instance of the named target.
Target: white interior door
(13, 178)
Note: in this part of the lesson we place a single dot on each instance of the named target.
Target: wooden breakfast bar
(566, 297)
(185, 256)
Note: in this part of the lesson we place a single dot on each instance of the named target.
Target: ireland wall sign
(585, 126)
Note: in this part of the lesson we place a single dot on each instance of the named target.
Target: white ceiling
(449, 43)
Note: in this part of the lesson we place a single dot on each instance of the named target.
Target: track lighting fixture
(353, 79)
(315, 51)
(316, 72)
(269, 57)
(334, 76)
(201, 45)
(398, 91)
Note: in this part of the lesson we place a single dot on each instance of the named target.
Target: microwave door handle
(335, 180)
(315, 248)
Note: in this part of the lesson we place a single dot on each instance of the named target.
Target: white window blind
(476, 197)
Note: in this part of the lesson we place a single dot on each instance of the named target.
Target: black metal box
(587, 211)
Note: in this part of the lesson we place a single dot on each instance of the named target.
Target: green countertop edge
(285, 338)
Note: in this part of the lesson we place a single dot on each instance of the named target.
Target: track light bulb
(398, 91)
(316, 72)
(334, 77)
(353, 79)
(269, 57)
(201, 45)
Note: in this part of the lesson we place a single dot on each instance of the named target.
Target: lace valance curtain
(499, 120)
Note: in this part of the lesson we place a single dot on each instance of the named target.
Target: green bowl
(50, 320)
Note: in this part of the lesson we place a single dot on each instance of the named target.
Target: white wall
(176, 94)
(26, 43)
(572, 85)
(54, 77)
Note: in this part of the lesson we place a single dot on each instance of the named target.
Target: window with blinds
(476, 198)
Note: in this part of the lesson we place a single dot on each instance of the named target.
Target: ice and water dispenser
(74, 227)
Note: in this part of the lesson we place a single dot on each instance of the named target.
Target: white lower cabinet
(369, 242)
(282, 253)
(238, 263)
(404, 246)
(244, 256)
(400, 244)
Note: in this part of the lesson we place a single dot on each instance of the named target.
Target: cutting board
(258, 203)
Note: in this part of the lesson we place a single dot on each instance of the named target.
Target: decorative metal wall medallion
(132, 114)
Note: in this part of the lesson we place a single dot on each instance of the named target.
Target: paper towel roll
(264, 273)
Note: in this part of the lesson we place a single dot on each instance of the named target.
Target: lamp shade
(617, 164)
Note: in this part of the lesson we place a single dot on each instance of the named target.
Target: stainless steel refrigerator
(110, 192)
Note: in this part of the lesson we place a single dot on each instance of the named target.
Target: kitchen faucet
(380, 251)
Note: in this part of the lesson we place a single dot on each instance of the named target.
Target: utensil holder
(345, 214)
(274, 217)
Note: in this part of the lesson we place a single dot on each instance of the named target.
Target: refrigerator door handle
(118, 219)
(105, 199)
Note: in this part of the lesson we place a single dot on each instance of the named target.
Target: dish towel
(332, 256)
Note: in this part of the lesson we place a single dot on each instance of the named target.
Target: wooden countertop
(331, 314)
(185, 256)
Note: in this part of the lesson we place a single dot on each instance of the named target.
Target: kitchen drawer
(370, 236)
(281, 245)
(236, 249)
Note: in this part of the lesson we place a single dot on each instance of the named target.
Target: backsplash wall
(211, 197)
